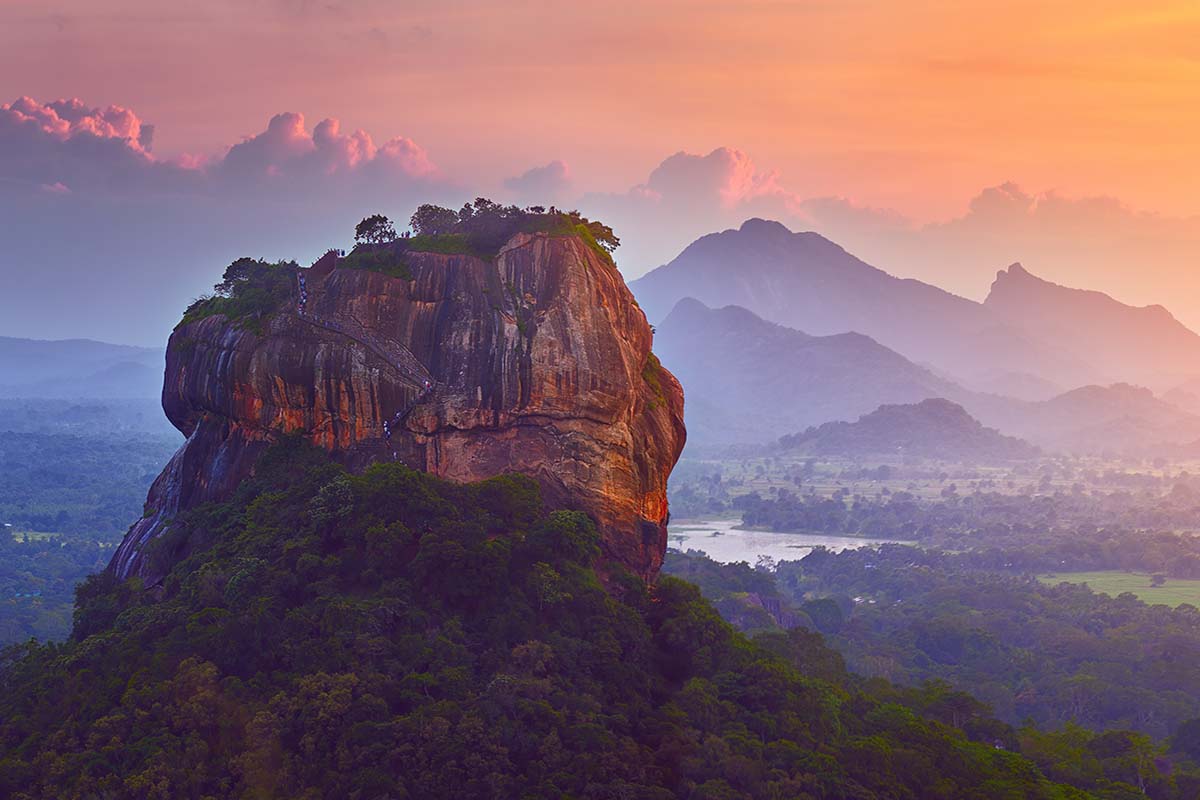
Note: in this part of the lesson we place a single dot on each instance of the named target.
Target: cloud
(287, 152)
(158, 230)
(686, 196)
(1089, 242)
(725, 178)
(147, 234)
(834, 214)
(68, 143)
(545, 185)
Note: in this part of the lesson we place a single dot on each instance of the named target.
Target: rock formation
(536, 362)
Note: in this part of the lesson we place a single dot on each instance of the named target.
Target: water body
(731, 544)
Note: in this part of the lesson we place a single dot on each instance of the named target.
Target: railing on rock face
(393, 353)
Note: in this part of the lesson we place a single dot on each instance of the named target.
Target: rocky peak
(765, 228)
(1014, 272)
(537, 361)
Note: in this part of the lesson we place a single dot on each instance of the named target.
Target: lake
(733, 544)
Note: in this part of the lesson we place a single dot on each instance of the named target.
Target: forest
(1062, 663)
(393, 635)
(75, 475)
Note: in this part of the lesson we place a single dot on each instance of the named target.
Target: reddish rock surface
(538, 362)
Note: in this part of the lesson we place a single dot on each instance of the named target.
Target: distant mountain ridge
(72, 368)
(934, 428)
(749, 381)
(1117, 418)
(809, 283)
(1142, 345)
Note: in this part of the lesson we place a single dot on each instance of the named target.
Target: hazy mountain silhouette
(1120, 418)
(1186, 395)
(749, 380)
(807, 282)
(934, 428)
(73, 368)
(1142, 345)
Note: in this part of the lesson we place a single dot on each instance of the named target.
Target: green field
(1174, 592)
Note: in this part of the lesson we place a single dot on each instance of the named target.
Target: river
(731, 544)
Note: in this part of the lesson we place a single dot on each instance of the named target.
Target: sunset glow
(905, 112)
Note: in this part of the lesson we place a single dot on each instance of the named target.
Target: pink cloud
(548, 183)
(68, 143)
(285, 140)
(687, 196)
(67, 119)
(404, 156)
(287, 149)
(727, 177)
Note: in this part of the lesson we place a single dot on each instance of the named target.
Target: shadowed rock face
(538, 362)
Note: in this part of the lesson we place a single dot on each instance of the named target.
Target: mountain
(1142, 345)
(934, 428)
(1019, 385)
(1186, 395)
(1092, 419)
(1028, 339)
(535, 361)
(76, 368)
(749, 380)
(808, 283)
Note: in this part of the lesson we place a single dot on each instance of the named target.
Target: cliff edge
(537, 361)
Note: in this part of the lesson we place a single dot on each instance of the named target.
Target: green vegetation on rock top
(249, 292)
(483, 227)
(377, 259)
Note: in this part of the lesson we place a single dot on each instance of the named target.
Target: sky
(938, 140)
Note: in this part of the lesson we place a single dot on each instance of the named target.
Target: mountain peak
(688, 306)
(756, 226)
(1016, 273)
(935, 428)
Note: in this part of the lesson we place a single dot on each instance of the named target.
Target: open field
(1174, 592)
(21, 533)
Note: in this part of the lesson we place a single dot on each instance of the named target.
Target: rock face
(538, 362)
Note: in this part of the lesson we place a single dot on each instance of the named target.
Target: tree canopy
(487, 226)
(375, 229)
(393, 635)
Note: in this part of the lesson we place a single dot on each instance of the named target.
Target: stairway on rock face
(394, 353)
(390, 351)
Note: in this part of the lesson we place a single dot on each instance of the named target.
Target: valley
(887, 539)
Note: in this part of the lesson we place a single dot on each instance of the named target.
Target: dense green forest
(1067, 664)
(94, 418)
(37, 583)
(72, 483)
(1048, 653)
(73, 476)
(394, 635)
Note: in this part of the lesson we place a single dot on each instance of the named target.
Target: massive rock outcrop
(536, 362)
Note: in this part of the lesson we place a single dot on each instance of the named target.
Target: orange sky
(914, 105)
(903, 111)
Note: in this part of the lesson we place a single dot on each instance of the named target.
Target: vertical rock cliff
(536, 362)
